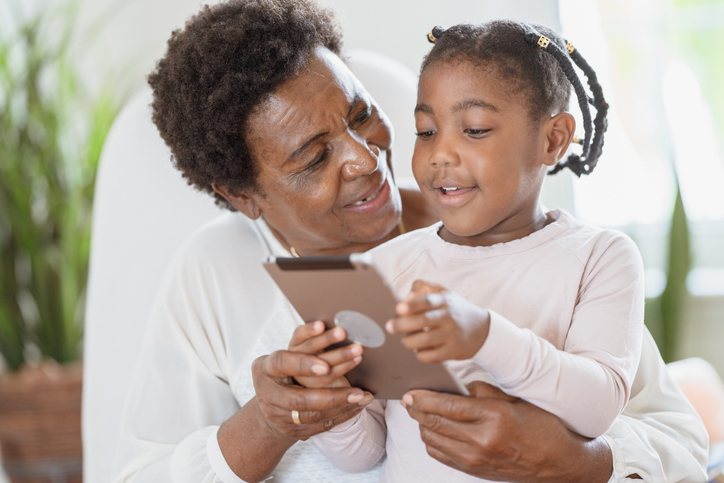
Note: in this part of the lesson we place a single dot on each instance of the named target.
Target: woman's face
(320, 145)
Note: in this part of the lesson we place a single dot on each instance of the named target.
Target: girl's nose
(443, 153)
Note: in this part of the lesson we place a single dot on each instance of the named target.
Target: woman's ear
(244, 201)
(560, 130)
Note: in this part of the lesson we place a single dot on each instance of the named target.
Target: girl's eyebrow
(474, 104)
(423, 108)
(461, 106)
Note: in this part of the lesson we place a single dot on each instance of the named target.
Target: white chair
(143, 210)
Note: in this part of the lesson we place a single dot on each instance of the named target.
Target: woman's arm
(183, 421)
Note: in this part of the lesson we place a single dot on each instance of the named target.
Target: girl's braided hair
(533, 61)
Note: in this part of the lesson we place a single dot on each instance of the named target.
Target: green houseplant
(52, 129)
(664, 313)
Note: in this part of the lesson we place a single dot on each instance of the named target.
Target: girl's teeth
(445, 190)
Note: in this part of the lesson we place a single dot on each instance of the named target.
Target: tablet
(349, 292)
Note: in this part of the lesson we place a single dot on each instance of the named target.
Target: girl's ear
(245, 201)
(560, 130)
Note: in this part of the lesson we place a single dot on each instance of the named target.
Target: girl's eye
(477, 132)
(424, 134)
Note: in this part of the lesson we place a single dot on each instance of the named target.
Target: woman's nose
(361, 159)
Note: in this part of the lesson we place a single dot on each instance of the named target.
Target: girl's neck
(512, 228)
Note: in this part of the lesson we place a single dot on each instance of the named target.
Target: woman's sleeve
(180, 391)
(358, 444)
(587, 384)
(659, 436)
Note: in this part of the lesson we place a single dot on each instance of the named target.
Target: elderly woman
(260, 111)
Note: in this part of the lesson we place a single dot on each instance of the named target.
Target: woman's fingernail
(355, 397)
(401, 307)
(339, 333)
(367, 399)
(389, 327)
(319, 369)
(356, 349)
(357, 359)
(407, 400)
(318, 326)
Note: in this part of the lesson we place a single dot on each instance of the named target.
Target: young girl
(547, 308)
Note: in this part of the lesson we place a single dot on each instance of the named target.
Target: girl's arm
(358, 444)
(657, 439)
(587, 384)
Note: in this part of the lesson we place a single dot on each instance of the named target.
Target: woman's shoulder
(231, 239)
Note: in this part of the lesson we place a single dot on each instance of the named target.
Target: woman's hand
(312, 338)
(498, 437)
(319, 409)
(440, 324)
(254, 440)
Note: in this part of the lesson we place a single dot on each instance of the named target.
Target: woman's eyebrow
(309, 142)
(355, 102)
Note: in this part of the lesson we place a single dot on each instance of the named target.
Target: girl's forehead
(461, 81)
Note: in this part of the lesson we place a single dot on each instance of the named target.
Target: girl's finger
(415, 323)
(421, 303)
(318, 343)
(425, 340)
(342, 354)
(306, 331)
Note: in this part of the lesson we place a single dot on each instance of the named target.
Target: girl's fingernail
(319, 369)
(435, 299)
(356, 349)
(318, 326)
(407, 400)
(389, 327)
(339, 333)
(357, 359)
(356, 397)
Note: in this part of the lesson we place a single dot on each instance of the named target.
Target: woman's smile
(372, 200)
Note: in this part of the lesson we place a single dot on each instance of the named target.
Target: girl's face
(479, 159)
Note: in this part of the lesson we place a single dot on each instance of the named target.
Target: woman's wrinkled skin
(325, 187)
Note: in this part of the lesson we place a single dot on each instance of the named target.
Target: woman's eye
(424, 134)
(316, 164)
(318, 161)
(362, 116)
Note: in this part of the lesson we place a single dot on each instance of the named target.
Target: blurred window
(662, 68)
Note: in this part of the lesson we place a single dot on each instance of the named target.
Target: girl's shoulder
(588, 241)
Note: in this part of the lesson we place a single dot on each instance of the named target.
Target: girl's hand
(312, 338)
(440, 324)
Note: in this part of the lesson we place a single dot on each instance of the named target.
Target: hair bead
(570, 47)
(543, 42)
(434, 34)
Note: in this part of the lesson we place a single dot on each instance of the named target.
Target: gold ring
(295, 417)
